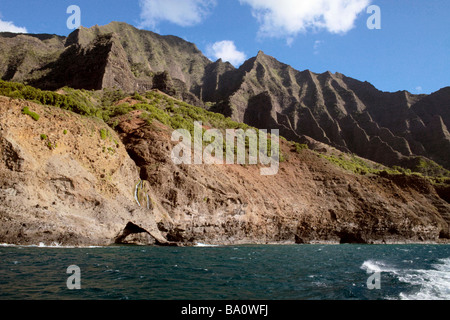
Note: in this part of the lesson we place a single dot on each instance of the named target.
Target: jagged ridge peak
(128, 33)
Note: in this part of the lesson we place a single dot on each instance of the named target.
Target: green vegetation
(110, 96)
(51, 145)
(104, 134)
(137, 96)
(358, 166)
(171, 112)
(441, 181)
(32, 114)
(429, 168)
(109, 150)
(139, 69)
(299, 147)
(177, 114)
(20, 91)
(65, 132)
(351, 163)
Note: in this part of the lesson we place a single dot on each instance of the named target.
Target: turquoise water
(318, 272)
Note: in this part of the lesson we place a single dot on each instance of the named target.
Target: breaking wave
(429, 284)
(43, 245)
(199, 244)
(372, 266)
(433, 284)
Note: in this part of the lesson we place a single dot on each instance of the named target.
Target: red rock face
(309, 200)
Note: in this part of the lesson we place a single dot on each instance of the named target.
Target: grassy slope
(107, 104)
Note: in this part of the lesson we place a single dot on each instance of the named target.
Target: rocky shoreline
(203, 245)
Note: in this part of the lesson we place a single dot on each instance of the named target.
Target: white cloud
(8, 26)
(419, 89)
(227, 51)
(289, 41)
(317, 45)
(287, 18)
(184, 13)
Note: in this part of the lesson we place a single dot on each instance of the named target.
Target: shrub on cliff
(32, 114)
(21, 91)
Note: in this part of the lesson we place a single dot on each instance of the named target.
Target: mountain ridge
(392, 128)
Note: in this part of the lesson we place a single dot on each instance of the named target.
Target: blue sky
(410, 52)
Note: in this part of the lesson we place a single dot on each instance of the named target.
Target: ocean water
(269, 272)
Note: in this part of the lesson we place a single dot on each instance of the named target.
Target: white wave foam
(43, 245)
(7, 245)
(434, 283)
(444, 265)
(199, 244)
(372, 266)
